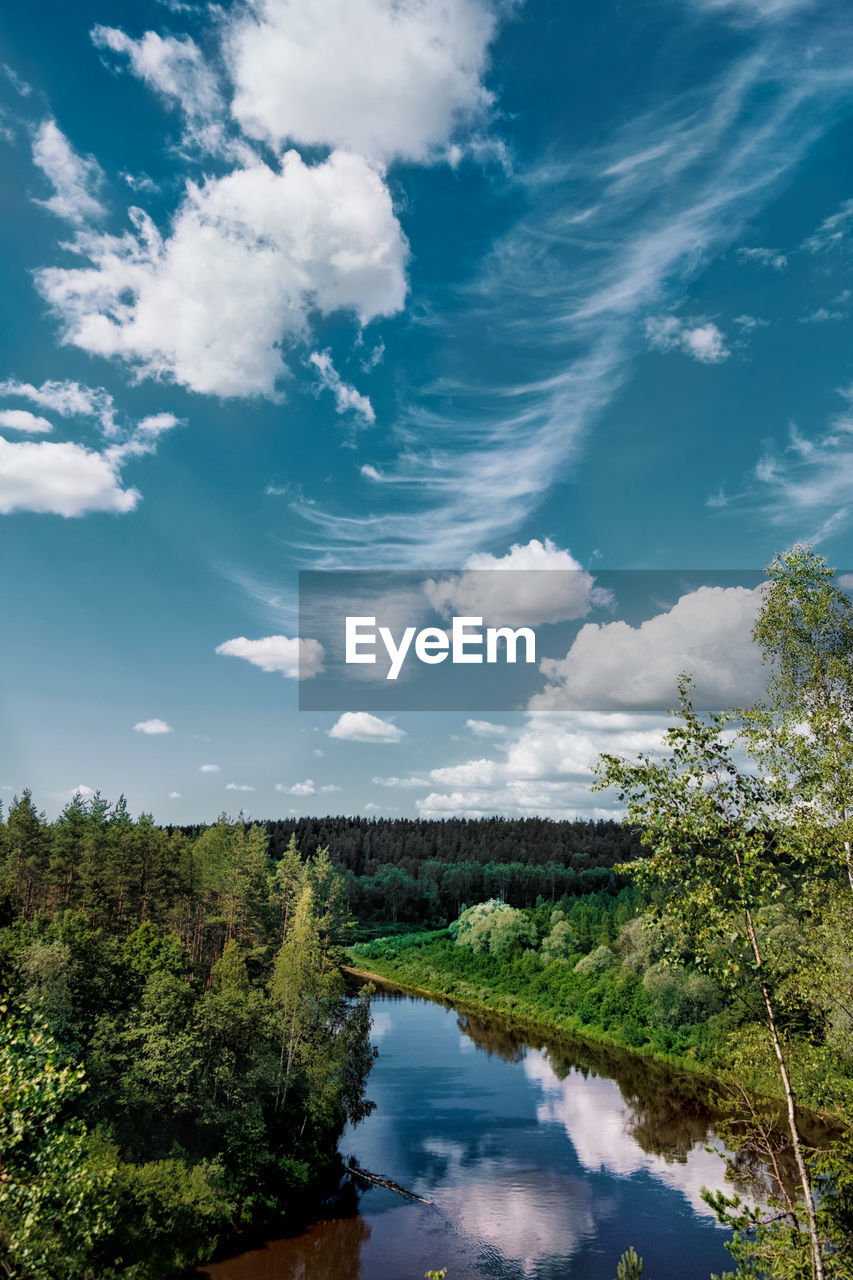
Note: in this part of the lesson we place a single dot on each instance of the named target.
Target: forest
(422, 871)
(178, 1057)
(177, 1054)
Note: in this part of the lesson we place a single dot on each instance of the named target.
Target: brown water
(541, 1160)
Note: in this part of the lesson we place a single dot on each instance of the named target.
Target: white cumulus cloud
(61, 479)
(707, 633)
(546, 769)
(473, 773)
(237, 786)
(23, 420)
(306, 788)
(361, 726)
(547, 585)
(153, 726)
(403, 784)
(486, 729)
(208, 768)
(388, 80)
(247, 257)
(65, 478)
(703, 341)
(293, 657)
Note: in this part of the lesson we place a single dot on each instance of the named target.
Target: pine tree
(28, 854)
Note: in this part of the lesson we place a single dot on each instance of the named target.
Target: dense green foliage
(178, 1059)
(592, 964)
(421, 871)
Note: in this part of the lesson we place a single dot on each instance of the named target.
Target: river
(542, 1160)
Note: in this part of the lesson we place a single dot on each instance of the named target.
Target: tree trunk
(796, 1140)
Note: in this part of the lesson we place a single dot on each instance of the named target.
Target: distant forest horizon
(355, 841)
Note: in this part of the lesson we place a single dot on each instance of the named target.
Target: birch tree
(713, 831)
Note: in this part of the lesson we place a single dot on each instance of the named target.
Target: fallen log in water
(384, 1182)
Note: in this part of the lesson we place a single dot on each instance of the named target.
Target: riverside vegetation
(177, 1059)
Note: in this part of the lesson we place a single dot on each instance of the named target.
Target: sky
(444, 285)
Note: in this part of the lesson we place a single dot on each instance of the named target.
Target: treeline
(422, 871)
(122, 872)
(364, 845)
(438, 890)
(177, 1054)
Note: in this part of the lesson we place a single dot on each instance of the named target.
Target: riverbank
(608, 1014)
(514, 1013)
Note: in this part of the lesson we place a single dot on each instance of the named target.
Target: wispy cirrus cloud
(175, 68)
(764, 257)
(833, 231)
(838, 309)
(75, 179)
(18, 83)
(751, 11)
(68, 399)
(347, 398)
(557, 310)
(807, 485)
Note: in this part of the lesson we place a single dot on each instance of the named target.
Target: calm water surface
(543, 1161)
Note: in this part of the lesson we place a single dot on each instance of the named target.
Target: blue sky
(439, 284)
